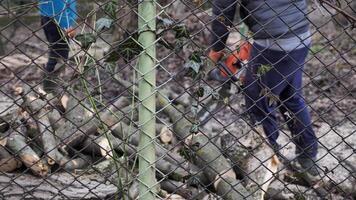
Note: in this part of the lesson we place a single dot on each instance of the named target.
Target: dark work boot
(308, 165)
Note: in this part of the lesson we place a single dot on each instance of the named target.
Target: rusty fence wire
(272, 117)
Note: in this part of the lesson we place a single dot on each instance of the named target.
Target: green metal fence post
(147, 109)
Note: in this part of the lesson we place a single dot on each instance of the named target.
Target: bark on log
(75, 130)
(40, 109)
(81, 161)
(131, 136)
(257, 164)
(8, 162)
(182, 189)
(236, 152)
(262, 166)
(77, 118)
(99, 145)
(17, 144)
(208, 156)
(104, 145)
(57, 186)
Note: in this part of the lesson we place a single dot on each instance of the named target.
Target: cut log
(208, 156)
(99, 145)
(104, 145)
(166, 135)
(17, 144)
(133, 190)
(256, 164)
(77, 116)
(39, 110)
(182, 189)
(131, 136)
(76, 129)
(261, 169)
(81, 161)
(8, 162)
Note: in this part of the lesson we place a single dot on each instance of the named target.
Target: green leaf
(110, 9)
(196, 56)
(194, 128)
(215, 95)
(166, 44)
(181, 31)
(200, 92)
(127, 49)
(164, 22)
(272, 99)
(191, 64)
(103, 23)
(86, 39)
(194, 63)
(111, 56)
(194, 110)
(316, 48)
(263, 69)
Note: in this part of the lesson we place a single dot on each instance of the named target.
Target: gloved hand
(70, 32)
(215, 56)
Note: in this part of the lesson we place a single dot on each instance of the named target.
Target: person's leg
(299, 123)
(58, 53)
(293, 104)
(262, 88)
(296, 114)
(58, 47)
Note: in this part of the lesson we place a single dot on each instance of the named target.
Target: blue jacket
(63, 11)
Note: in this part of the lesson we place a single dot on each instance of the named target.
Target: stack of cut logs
(42, 132)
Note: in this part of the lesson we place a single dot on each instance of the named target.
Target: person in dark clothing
(58, 20)
(281, 37)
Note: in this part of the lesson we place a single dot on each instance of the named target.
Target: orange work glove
(70, 32)
(215, 56)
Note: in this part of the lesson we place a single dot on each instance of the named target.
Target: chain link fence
(106, 99)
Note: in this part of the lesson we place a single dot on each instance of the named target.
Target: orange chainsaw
(231, 67)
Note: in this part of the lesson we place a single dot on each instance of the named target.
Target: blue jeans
(280, 87)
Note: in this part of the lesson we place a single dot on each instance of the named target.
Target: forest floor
(329, 88)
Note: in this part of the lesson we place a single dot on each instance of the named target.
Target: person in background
(281, 37)
(58, 18)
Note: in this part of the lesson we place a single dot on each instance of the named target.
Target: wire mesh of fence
(176, 99)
